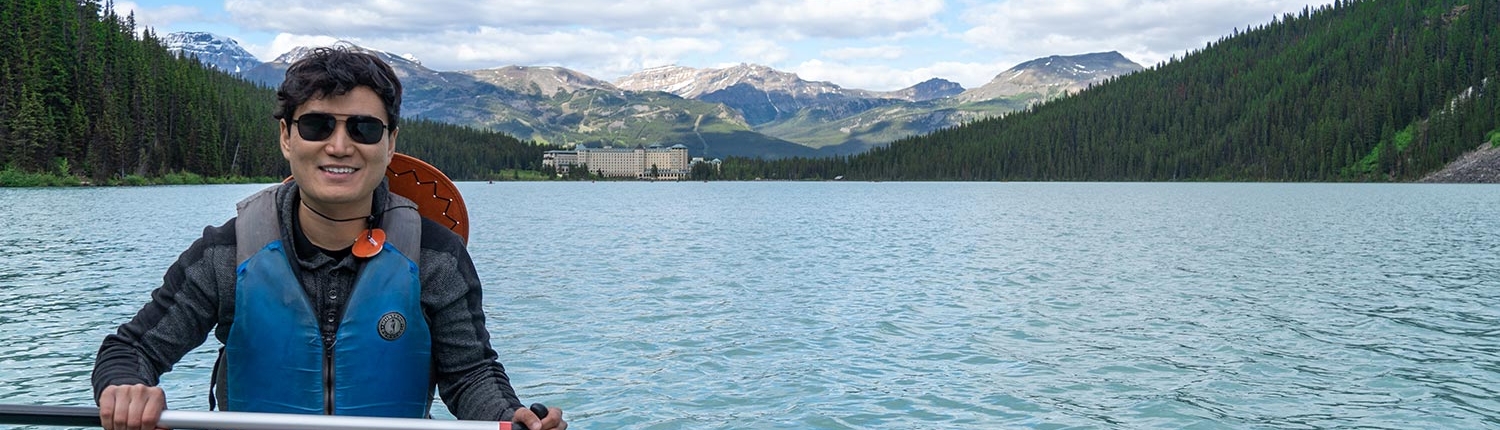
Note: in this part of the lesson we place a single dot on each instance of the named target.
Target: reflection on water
(859, 305)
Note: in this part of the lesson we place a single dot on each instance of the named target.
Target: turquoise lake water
(834, 305)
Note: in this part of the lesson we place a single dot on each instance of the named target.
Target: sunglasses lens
(315, 126)
(364, 129)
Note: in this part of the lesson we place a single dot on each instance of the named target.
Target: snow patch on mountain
(214, 50)
(688, 82)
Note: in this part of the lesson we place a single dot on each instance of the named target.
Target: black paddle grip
(68, 416)
(536, 408)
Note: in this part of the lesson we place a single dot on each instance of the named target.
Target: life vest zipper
(327, 378)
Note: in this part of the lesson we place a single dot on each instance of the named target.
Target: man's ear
(285, 138)
(392, 148)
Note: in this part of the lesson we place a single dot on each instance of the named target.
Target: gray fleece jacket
(197, 296)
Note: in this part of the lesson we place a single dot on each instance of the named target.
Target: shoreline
(1480, 166)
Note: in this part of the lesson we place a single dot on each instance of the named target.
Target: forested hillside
(82, 95)
(1382, 90)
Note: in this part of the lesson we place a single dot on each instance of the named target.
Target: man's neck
(328, 234)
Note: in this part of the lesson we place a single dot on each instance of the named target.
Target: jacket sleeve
(177, 319)
(470, 378)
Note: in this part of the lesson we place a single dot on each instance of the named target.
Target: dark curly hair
(336, 71)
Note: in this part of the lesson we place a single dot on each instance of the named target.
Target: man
(330, 294)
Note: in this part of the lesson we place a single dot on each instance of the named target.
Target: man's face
(338, 174)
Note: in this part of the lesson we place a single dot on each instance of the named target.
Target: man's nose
(340, 143)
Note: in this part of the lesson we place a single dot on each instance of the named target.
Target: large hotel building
(669, 163)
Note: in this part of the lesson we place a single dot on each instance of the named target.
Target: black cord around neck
(369, 217)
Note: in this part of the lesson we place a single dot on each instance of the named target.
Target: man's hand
(553, 420)
(132, 407)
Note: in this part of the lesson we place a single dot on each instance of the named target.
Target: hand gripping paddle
(536, 408)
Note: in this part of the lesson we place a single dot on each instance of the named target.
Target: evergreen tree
(1326, 94)
(79, 88)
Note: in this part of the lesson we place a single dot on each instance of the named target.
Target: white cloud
(761, 51)
(834, 18)
(871, 44)
(887, 78)
(591, 36)
(285, 42)
(789, 18)
(1147, 31)
(970, 75)
(660, 52)
(158, 17)
(598, 54)
(884, 52)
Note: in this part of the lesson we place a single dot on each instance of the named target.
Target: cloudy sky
(866, 44)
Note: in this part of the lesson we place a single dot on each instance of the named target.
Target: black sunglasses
(314, 127)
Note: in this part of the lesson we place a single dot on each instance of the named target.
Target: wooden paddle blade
(436, 197)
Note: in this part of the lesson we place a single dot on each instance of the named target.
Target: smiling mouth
(339, 170)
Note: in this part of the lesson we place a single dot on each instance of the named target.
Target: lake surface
(864, 305)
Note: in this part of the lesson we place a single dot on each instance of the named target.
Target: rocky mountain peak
(930, 89)
(544, 80)
(673, 79)
(217, 51)
(1052, 76)
(395, 60)
(412, 73)
(1086, 66)
(688, 82)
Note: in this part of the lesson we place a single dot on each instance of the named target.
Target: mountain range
(744, 110)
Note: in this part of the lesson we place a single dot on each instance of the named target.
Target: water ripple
(834, 305)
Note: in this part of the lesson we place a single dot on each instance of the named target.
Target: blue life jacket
(380, 363)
